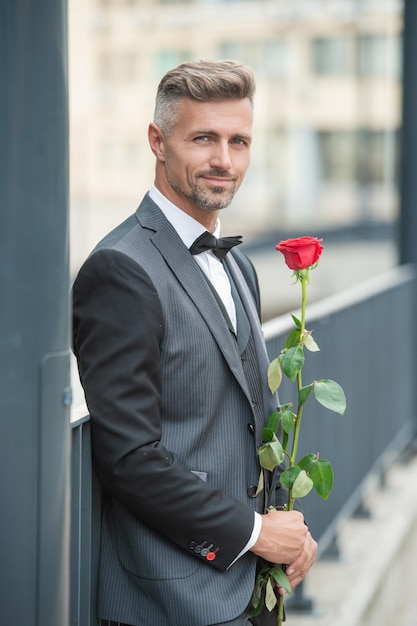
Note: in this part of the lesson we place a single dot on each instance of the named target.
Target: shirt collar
(186, 226)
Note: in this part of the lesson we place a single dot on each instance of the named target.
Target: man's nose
(220, 157)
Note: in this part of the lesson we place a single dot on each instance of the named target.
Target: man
(172, 361)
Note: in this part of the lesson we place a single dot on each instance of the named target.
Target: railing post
(408, 179)
(34, 314)
(85, 526)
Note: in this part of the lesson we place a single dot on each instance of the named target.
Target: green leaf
(309, 343)
(280, 577)
(260, 483)
(304, 393)
(263, 574)
(303, 484)
(330, 395)
(292, 362)
(274, 374)
(258, 601)
(270, 597)
(296, 321)
(293, 338)
(322, 476)
(288, 421)
(257, 610)
(307, 462)
(289, 476)
(271, 454)
(268, 434)
(273, 421)
(257, 592)
(283, 407)
(320, 471)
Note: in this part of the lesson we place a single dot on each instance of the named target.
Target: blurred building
(327, 110)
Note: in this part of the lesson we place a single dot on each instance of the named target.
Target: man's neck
(205, 217)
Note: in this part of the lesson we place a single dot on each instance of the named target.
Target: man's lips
(218, 181)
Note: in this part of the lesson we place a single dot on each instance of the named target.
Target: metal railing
(366, 338)
(367, 344)
(85, 524)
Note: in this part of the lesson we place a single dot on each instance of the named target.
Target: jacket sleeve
(118, 328)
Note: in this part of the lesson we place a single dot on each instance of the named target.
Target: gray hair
(204, 81)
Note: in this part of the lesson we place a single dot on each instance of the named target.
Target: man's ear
(156, 141)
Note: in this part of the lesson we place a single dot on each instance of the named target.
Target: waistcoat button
(252, 491)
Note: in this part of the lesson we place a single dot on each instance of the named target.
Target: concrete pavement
(375, 581)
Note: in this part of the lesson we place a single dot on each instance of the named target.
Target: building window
(333, 56)
(275, 59)
(365, 156)
(377, 156)
(167, 59)
(238, 51)
(337, 155)
(379, 56)
(265, 58)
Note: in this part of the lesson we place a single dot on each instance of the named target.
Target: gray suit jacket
(177, 415)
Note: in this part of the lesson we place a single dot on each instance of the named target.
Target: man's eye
(202, 138)
(239, 142)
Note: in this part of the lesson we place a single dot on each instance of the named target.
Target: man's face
(206, 156)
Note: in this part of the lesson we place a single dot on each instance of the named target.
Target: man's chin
(215, 202)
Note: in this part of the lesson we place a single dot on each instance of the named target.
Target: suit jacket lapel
(249, 306)
(192, 279)
(243, 325)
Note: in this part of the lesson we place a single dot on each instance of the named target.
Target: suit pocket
(202, 475)
(147, 554)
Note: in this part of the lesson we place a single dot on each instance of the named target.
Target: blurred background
(332, 95)
(325, 154)
(326, 163)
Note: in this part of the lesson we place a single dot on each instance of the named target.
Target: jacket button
(251, 429)
(252, 491)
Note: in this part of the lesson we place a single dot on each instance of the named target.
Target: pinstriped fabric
(106, 622)
(251, 370)
(242, 620)
(206, 406)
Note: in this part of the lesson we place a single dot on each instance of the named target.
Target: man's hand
(285, 539)
(298, 570)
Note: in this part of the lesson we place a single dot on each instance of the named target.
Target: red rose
(301, 253)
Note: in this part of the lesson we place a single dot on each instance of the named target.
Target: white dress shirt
(189, 229)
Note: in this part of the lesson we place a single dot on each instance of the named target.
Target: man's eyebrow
(243, 136)
(210, 131)
(204, 131)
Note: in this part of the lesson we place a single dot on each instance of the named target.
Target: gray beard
(206, 200)
(209, 202)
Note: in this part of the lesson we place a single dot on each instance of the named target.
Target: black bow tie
(220, 246)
